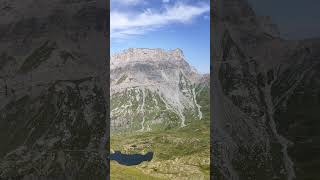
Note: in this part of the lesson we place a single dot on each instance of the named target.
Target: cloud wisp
(127, 2)
(127, 24)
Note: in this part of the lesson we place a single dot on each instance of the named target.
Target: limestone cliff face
(262, 105)
(53, 122)
(153, 88)
(146, 54)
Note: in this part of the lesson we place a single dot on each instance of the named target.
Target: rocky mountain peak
(146, 81)
(147, 55)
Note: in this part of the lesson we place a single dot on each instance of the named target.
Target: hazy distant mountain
(52, 100)
(154, 88)
(265, 99)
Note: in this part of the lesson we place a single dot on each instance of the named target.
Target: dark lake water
(130, 159)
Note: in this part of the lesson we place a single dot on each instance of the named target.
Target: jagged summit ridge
(147, 54)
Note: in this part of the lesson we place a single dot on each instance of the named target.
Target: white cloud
(165, 1)
(125, 24)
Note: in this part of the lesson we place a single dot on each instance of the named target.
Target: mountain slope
(260, 83)
(152, 88)
(52, 98)
(160, 103)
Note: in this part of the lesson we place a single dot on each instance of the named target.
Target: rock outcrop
(145, 54)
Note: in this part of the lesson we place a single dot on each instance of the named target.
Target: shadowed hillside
(53, 110)
(265, 99)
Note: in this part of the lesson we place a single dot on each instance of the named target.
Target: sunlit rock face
(153, 88)
(146, 55)
(53, 122)
(265, 96)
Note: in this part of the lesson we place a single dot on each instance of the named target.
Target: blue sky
(166, 24)
(296, 19)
